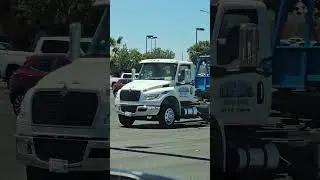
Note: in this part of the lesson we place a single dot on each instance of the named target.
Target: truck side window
(181, 74)
(228, 39)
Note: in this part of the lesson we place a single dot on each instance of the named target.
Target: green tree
(201, 48)
(27, 18)
(125, 60)
(115, 45)
(159, 53)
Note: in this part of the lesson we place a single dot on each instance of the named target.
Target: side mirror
(133, 72)
(249, 45)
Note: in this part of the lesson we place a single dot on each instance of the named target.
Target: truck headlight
(151, 96)
(154, 96)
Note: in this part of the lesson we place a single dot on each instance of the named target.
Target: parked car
(113, 79)
(34, 68)
(119, 84)
(11, 60)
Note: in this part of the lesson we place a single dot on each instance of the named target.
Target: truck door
(185, 83)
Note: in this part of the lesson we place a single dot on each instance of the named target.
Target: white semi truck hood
(146, 85)
(84, 73)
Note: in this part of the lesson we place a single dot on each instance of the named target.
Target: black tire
(16, 103)
(167, 116)
(115, 93)
(34, 173)
(9, 73)
(126, 121)
(112, 85)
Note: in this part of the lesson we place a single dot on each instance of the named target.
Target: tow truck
(63, 125)
(247, 60)
(164, 91)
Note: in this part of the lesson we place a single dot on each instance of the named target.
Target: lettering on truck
(237, 95)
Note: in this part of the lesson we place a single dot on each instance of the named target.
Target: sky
(174, 22)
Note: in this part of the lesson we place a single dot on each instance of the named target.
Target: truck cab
(164, 91)
(63, 122)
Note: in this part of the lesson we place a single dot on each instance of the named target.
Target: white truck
(12, 60)
(63, 125)
(164, 91)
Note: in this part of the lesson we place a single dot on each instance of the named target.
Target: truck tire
(34, 173)
(115, 93)
(167, 116)
(112, 85)
(126, 121)
(10, 70)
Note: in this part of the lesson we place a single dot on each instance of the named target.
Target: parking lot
(182, 152)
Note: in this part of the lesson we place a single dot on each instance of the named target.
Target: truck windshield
(228, 39)
(158, 71)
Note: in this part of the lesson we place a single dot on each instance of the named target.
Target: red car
(119, 84)
(34, 68)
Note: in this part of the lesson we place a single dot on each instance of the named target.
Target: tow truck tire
(167, 116)
(126, 121)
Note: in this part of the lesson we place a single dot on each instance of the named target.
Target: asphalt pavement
(10, 169)
(182, 152)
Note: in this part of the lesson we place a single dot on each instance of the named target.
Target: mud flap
(218, 147)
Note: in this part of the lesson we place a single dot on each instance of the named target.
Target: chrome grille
(129, 95)
(70, 109)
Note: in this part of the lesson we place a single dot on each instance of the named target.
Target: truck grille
(129, 95)
(71, 109)
(129, 108)
(70, 150)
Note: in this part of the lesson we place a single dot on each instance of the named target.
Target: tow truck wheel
(126, 121)
(167, 116)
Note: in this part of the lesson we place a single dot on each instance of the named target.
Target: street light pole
(155, 42)
(198, 29)
(148, 37)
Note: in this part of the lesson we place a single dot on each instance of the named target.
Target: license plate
(58, 165)
(129, 114)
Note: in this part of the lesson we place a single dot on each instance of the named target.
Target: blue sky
(172, 21)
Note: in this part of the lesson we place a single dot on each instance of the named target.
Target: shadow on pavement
(162, 154)
(176, 126)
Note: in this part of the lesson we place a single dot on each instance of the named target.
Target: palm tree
(115, 44)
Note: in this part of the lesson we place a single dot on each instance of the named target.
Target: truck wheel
(115, 93)
(126, 121)
(34, 173)
(167, 116)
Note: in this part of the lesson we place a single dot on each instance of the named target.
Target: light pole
(155, 41)
(198, 29)
(148, 37)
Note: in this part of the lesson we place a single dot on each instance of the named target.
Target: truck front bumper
(137, 110)
(95, 156)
